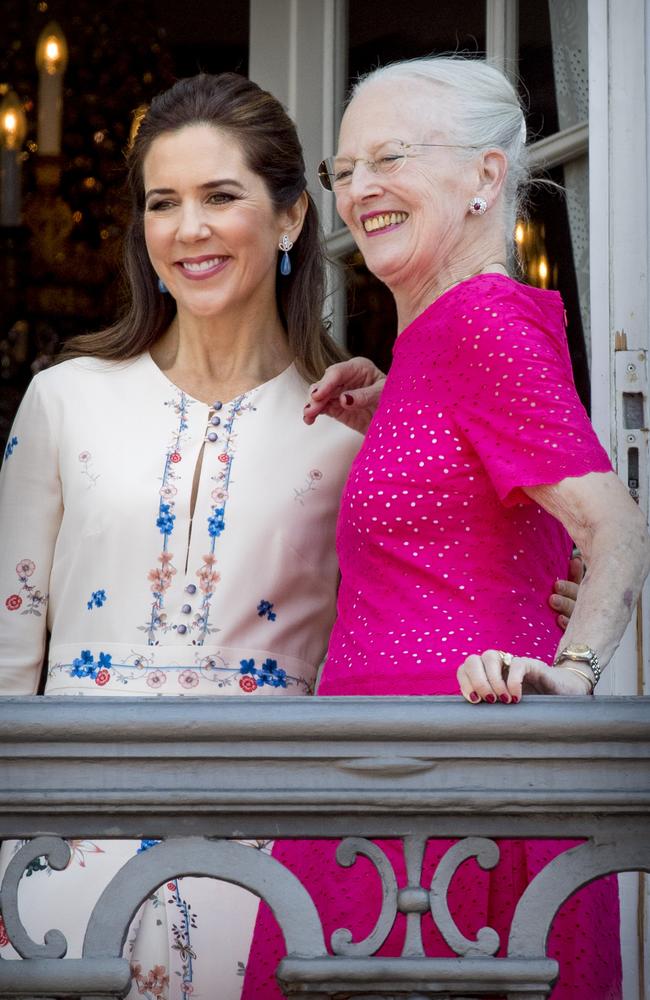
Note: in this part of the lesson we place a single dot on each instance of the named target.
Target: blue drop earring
(285, 245)
(162, 287)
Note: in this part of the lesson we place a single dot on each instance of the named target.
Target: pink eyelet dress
(442, 555)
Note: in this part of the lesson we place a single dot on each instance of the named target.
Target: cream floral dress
(143, 595)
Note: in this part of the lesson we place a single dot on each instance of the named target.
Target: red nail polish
(515, 699)
(315, 389)
(490, 698)
(473, 696)
(348, 398)
(504, 698)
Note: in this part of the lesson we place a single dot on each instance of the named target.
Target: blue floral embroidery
(11, 444)
(84, 665)
(165, 520)
(265, 608)
(161, 576)
(145, 845)
(100, 669)
(216, 523)
(269, 673)
(97, 599)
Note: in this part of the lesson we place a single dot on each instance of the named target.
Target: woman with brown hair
(167, 516)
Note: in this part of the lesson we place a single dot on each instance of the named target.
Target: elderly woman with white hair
(478, 468)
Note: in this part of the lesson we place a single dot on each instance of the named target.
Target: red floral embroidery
(13, 603)
(174, 457)
(171, 886)
(247, 683)
(223, 457)
(4, 937)
(103, 677)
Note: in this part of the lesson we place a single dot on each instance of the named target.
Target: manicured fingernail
(473, 696)
(504, 698)
(556, 602)
(315, 389)
(491, 698)
(348, 398)
(515, 699)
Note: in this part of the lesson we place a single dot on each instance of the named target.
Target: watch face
(579, 649)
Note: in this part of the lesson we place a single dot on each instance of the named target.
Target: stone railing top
(277, 766)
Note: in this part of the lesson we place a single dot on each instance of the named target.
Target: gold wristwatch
(579, 653)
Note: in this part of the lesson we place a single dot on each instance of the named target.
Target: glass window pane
(536, 79)
(546, 246)
(381, 31)
(372, 317)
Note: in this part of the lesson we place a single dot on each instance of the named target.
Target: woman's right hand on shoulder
(565, 592)
(348, 391)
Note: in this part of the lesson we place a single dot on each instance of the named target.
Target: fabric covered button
(215, 421)
(182, 629)
(191, 588)
(213, 436)
(186, 609)
(217, 405)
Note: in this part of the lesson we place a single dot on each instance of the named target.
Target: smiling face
(411, 226)
(210, 227)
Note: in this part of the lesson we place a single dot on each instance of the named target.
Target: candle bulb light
(13, 129)
(51, 60)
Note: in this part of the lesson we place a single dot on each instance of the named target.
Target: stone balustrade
(201, 773)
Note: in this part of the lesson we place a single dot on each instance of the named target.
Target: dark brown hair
(271, 149)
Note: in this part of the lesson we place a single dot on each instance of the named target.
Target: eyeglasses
(336, 172)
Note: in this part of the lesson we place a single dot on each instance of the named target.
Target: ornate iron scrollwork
(346, 854)
(414, 900)
(58, 854)
(486, 853)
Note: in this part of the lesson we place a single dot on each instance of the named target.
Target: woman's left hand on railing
(500, 677)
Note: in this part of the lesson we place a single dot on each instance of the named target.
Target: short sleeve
(30, 516)
(516, 401)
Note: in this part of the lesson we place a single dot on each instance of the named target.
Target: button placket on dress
(211, 438)
(184, 606)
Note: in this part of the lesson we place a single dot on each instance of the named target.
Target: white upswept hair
(485, 113)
